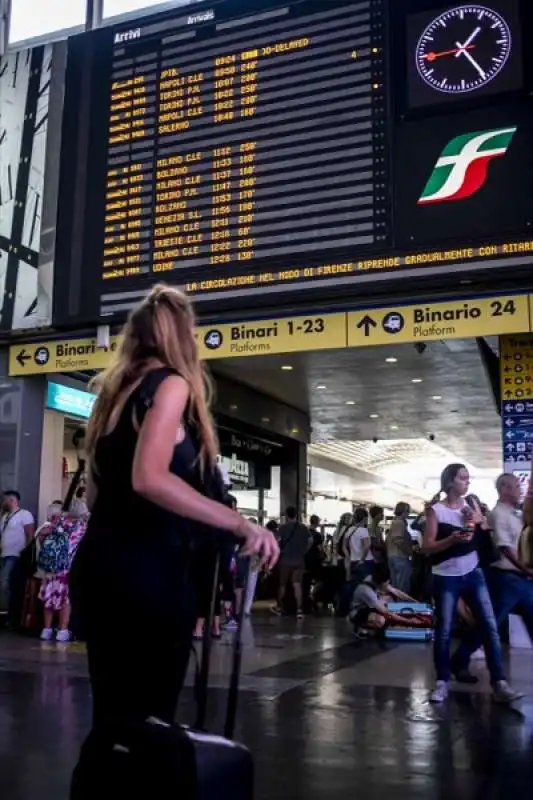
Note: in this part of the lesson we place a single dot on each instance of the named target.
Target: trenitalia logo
(463, 165)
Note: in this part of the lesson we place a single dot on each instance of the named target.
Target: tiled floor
(325, 717)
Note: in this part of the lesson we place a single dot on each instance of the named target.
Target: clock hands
(475, 64)
(459, 50)
(465, 33)
(433, 56)
(469, 40)
(472, 60)
(462, 50)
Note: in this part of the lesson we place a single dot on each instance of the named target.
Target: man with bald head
(510, 581)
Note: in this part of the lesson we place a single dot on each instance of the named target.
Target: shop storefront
(253, 466)
(67, 409)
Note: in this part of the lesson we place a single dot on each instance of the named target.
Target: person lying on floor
(369, 602)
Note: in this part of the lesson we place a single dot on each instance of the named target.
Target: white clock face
(463, 49)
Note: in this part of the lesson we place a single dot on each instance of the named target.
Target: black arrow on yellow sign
(22, 357)
(367, 323)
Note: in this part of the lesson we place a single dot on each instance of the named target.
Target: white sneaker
(439, 693)
(478, 655)
(63, 636)
(47, 634)
(503, 693)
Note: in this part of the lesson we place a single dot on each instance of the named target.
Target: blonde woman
(154, 494)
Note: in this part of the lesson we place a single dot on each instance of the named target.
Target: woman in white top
(449, 541)
(358, 555)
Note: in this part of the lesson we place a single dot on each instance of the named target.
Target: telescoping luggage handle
(202, 684)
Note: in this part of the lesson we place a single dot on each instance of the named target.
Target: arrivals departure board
(238, 146)
(256, 151)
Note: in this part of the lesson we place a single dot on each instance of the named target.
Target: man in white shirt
(17, 527)
(510, 582)
(506, 524)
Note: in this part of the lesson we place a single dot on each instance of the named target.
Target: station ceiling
(420, 406)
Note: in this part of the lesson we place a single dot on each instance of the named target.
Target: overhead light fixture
(374, 416)
(394, 427)
(436, 397)
(286, 368)
(391, 360)
(350, 402)
(321, 386)
(416, 380)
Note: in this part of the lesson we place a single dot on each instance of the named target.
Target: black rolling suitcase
(223, 768)
(159, 761)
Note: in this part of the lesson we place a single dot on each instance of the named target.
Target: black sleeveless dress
(129, 583)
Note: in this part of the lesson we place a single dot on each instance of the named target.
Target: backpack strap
(351, 530)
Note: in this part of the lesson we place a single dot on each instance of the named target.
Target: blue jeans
(510, 591)
(401, 573)
(473, 590)
(7, 565)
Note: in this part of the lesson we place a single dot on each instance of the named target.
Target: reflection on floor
(326, 717)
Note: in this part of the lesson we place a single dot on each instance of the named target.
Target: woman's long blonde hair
(160, 329)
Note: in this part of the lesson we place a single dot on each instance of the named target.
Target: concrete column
(30, 439)
(10, 401)
(293, 479)
(51, 483)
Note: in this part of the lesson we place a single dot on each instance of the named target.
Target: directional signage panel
(517, 424)
(517, 367)
(63, 355)
(455, 319)
(270, 336)
(516, 377)
(258, 337)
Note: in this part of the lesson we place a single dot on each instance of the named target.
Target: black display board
(246, 151)
(230, 142)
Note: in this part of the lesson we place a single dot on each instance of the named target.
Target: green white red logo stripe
(463, 165)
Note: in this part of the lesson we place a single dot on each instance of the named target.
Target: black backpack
(340, 541)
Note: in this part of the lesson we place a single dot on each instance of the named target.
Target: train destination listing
(245, 143)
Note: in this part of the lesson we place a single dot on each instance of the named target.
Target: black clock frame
(470, 10)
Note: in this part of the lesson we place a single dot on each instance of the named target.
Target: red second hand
(434, 56)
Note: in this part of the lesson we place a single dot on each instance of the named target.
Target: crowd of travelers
(474, 566)
(163, 537)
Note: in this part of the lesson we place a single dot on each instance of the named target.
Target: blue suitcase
(406, 633)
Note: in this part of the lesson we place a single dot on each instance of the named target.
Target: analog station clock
(463, 49)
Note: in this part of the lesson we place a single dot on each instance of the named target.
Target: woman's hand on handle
(259, 542)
